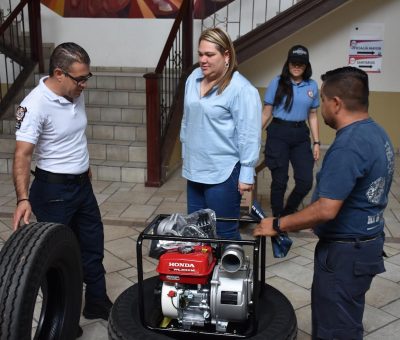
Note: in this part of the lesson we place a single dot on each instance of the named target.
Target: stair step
(112, 150)
(14, 33)
(121, 81)
(132, 172)
(111, 80)
(120, 69)
(116, 131)
(107, 113)
(103, 113)
(101, 149)
(119, 98)
(116, 110)
(7, 143)
(7, 127)
(6, 161)
(98, 130)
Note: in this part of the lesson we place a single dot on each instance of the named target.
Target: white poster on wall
(366, 47)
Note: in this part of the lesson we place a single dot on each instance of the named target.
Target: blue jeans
(74, 205)
(343, 273)
(224, 198)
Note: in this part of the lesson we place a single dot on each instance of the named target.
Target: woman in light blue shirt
(220, 132)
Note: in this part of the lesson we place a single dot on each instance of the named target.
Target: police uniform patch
(19, 116)
(310, 94)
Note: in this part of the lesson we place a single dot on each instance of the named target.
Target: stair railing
(163, 105)
(255, 25)
(242, 16)
(20, 48)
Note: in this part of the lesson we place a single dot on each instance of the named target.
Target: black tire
(277, 320)
(43, 256)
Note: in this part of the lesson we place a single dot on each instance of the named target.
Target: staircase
(116, 98)
(115, 105)
(115, 101)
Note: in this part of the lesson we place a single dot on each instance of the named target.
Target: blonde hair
(224, 43)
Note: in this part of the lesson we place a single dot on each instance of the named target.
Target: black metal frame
(259, 247)
(164, 94)
(20, 49)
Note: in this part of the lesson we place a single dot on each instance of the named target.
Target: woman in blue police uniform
(291, 99)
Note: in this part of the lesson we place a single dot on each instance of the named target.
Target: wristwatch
(317, 143)
(276, 224)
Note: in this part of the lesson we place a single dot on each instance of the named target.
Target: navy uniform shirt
(357, 169)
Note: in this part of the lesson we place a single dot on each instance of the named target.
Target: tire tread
(21, 260)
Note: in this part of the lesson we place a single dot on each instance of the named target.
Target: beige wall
(384, 109)
(3, 89)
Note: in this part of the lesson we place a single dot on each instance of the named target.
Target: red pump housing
(188, 264)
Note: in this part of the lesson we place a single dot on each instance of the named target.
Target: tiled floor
(126, 208)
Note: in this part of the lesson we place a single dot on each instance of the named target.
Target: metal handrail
(242, 16)
(20, 49)
(162, 87)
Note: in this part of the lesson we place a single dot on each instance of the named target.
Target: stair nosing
(91, 140)
(116, 106)
(113, 123)
(118, 142)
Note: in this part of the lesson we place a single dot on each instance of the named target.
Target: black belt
(288, 122)
(352, 239)
(53, 178)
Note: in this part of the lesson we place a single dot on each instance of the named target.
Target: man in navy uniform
(350, 197)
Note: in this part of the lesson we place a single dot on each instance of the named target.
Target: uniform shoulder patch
(19, 116)
(310, 93)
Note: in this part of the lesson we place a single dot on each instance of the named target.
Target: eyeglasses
(79, 80)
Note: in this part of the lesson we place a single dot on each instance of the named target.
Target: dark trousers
(224, 198)
(75, 205)
(288, 144)
(343, 273)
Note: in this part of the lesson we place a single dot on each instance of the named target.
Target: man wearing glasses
(51, 121)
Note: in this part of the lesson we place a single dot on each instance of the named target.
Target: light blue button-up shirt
(219, 130)
(305, 98)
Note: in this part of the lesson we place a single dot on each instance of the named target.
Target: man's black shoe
(80, 332)
(97, 308)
